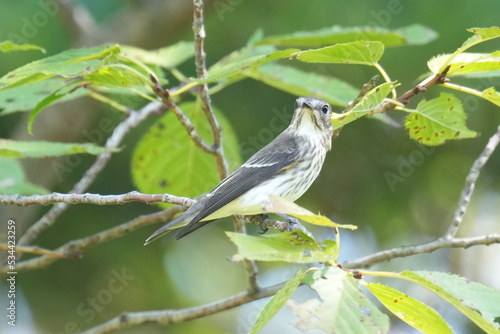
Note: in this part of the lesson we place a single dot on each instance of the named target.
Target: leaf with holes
(435, 121)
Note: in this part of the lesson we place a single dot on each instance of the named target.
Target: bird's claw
(262, 228)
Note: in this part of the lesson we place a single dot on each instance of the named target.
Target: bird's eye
(325, 109)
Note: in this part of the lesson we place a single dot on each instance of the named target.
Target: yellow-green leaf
(293, 247)
(478, 302)
(277, 301)
(279, 204)
(466, 63)
(410, 310)
(9, 46)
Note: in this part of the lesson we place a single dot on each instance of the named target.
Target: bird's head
(312, 118)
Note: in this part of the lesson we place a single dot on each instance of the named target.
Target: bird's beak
(307, 105)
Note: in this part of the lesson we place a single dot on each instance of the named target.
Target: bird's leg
(291, 222)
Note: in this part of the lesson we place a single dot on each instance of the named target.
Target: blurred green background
(122, 275)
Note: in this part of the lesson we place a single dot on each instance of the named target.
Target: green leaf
(43, 149)
(479, 303)
(277, 204)
(67, 64)
(466, 63)
(238, 61)
(410, 310)
(167, 57)
(9, 46)
(341, 307)
(413, 34)
(293, 247)
(166, 160)
(491, 95)
(366, 106)
(437, 120)
(13, 181)
(277, 301)
(27, 97)
(300, 83)
(480, 35)
(57, 95)
(360, 52)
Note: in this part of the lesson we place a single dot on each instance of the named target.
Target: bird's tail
(182, 220)
(191, 227)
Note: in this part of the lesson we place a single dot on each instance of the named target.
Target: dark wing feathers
(277, 155)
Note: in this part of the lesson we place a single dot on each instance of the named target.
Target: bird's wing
(278, 155)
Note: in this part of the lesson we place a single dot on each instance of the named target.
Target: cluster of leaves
(107, 73)
(342, 305)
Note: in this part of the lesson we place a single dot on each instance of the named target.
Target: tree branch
(133, 119)
(470, 184)
(74, 248)
(97, 199)
(170, 317)
(429, 247)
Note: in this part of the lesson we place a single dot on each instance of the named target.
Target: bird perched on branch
(285, 167)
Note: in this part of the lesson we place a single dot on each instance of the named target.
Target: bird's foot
(262, 223)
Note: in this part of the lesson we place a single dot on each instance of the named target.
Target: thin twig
(206, 104)
(429, 247)
(97, 199)
(74, 248)
(183, 119)
(32, 250)
(134, 118)
(470, 184)
(421, 87)
(170, 317)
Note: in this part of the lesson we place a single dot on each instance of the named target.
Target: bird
(285, 167)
